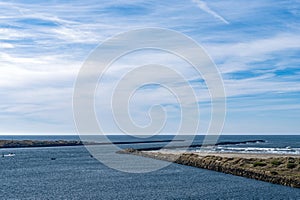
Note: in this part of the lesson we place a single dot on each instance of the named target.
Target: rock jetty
(282, 170)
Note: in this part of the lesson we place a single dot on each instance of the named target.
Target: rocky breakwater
(278, 170)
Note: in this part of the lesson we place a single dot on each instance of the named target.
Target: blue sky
(255, 45)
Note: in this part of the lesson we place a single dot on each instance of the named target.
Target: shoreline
(280, 169)
(10, 144)
(231, 154)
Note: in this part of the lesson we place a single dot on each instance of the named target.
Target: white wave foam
(286, 150)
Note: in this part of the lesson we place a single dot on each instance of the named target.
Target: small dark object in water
(91, 156)
(53, 158)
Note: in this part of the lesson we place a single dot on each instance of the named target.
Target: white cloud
(203, 6)
(256, 48)
(39, 62)
(6, 45)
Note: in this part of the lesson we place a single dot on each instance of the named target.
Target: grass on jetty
(282, 170)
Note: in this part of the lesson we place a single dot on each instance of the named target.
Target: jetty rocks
(278, 170)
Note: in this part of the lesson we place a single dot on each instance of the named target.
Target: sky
(254, 44)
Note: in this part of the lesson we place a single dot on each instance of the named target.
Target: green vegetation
(260, 164)
(291, 165)
(276, 162)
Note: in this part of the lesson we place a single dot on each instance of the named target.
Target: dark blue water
(31, 174)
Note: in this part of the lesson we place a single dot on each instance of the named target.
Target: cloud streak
(203, 6)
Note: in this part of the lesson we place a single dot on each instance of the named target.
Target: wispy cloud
(43, 45)
(203, 6)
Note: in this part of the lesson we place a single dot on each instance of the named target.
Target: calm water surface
(31, 174)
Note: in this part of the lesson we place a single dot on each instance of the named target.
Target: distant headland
(61, 143)
(37, 143)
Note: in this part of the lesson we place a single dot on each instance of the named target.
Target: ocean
(74, 174)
